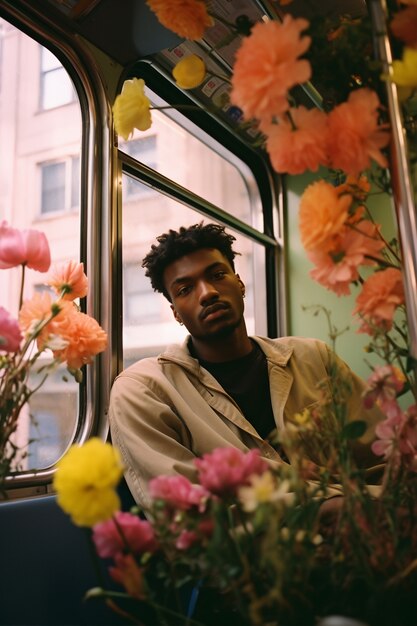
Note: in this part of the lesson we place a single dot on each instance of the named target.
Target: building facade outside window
(60, 185)
(56, 88)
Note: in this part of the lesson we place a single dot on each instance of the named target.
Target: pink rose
(10, 335)
(179, 492)
(23, 247)
(225, 469)
(126, 530)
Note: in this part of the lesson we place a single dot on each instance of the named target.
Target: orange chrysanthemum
(37, 310)
(186, 18)
(85, 339)
(69, 280)
(267, 66)
(357, 138)
(338, 268)
(299, 144)
(323, 213)
(381, 295)
(404, 26)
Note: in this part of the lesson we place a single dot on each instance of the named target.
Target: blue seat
(46, 568)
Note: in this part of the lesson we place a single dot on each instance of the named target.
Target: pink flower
(386, 432)
(23, 247)
(408, 438)
(295, 149)
(267, 66)
(384, 385)
(83, 335)
(186, 539)
(356, 135)
(338, 268)
(69, 280)
(136, 534)
(225, 469)
(382, 293)
(178, 492)
(10, 335)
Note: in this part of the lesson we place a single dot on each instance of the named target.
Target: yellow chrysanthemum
(404, 73)
(131, 108)
(189, 72)
(85, 482)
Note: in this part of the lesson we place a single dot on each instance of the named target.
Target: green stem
(22, 285)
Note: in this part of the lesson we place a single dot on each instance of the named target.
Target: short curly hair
(175, 244)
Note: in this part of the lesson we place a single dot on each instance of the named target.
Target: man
(221, 387)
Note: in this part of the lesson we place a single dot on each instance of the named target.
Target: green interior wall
(303, 291)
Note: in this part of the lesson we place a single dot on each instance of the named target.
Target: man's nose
(207, 293)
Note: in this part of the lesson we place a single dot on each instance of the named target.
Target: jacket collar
(275, 351)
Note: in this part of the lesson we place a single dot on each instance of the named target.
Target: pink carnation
(387, 432)
(23, 247)
(225, 469)
(10, 335)
(356, 136)
(381, 295)
(408, 438)
(300, 144)
(113, 537)
(338, 268)
(267, 66)
(178, 491)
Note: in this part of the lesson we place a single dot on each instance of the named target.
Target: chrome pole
(403, 194)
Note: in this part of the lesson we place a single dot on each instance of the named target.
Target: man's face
(206, 294)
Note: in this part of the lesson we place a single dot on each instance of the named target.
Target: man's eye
(219, 275)
(184, 290)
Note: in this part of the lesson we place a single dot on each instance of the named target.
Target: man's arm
(150, 436)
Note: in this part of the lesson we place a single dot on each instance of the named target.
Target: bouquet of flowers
(47, 326)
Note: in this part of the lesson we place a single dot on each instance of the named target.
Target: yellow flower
(85, 482)
(302, 418)
(405, 71)
(263, 489)
(189, 72)
(131, 108)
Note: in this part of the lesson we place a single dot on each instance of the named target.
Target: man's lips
(213, 308)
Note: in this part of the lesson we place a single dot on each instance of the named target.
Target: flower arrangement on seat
(252, 540)
(46, 326)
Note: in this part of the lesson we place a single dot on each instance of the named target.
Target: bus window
(174, 151)
(40, 126)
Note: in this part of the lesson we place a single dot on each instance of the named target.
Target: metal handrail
(400, 172)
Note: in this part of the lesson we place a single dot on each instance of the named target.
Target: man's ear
(241, 285)
(177, 317)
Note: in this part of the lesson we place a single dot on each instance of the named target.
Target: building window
(144, 151)
(56, 86)
(140, 304)
(60, 185)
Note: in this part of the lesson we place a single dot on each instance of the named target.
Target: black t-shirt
(246, 381)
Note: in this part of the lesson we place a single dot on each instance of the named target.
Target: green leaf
(354, 429)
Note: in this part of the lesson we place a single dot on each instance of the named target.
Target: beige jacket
(165, 411)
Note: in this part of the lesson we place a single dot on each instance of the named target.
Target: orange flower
(356, 136)
(267, 66)
(127, 573)
(38, 309)
(338, 268)
(295, 150)
(323, 213)
(69, 280)
(404, 26)
(186, 18)
(381, 295)
(85, 339)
